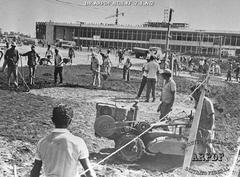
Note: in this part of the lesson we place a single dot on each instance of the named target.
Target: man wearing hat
(60, 151)
(32, 62)
(11, 59)
(168, 94)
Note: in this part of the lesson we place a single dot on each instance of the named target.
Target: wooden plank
(193, 135)
(235, 159)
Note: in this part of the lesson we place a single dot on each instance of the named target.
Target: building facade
(182, 40)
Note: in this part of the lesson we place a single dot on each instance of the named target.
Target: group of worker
(12, 56)
(231, 69)
(151, 70)
(60, 151)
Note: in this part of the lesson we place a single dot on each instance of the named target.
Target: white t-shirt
(49, 53)
(144, 69)
(60, 152)
(152, 67)
(58, 59)
(167, 91)
(95, 62)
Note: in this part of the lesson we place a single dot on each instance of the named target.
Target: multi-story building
(183, 40)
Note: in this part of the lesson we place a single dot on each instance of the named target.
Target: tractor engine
(113, 121)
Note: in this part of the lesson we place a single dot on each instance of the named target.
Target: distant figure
(175, 67)
(7, 45)
(71, 54)
(205, 67)
(152, 68)
(144, 79)
(217, 69)
(107, 64)
(201, 63)
(95, 67)
(48, 55)
(11, 59)
(120, 56)
(126, 70)
(60, 152)
(58, 62)
(32, 63)
(229, 72)
(237, 70)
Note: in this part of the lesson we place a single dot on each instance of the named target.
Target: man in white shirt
(152, 69)
(58, 62)
(168, 94)
(60, 152)
(48, 55)
(95, 67)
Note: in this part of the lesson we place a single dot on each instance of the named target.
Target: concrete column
(49, 33)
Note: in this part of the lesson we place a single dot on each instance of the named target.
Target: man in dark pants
(60, 151)
(11, 59)
(144, 80)
(168, 94)
(32, 62)
(206, 123)
(58, 61)
(152, 69)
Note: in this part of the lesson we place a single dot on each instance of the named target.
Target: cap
(167, 71)
(13, 44)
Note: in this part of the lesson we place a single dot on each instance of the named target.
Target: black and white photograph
(119, 88)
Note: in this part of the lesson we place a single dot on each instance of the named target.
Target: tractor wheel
(133, 151)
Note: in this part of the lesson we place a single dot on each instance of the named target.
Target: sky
(21, 15)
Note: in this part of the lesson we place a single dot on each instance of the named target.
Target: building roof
(140, 27)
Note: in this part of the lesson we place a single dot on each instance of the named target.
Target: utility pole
(116, 22)
(168, 37)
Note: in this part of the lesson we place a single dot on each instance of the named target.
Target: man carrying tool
(168, 94)
(32, 62)
(207, 121)
(60, 152)
(11, 59)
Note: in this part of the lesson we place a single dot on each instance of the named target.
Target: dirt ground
(25, 118)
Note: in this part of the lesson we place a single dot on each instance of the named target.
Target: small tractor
(120, 124)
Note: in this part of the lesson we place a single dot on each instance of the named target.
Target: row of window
(142, 35)
(173, 48)
(146, 35)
